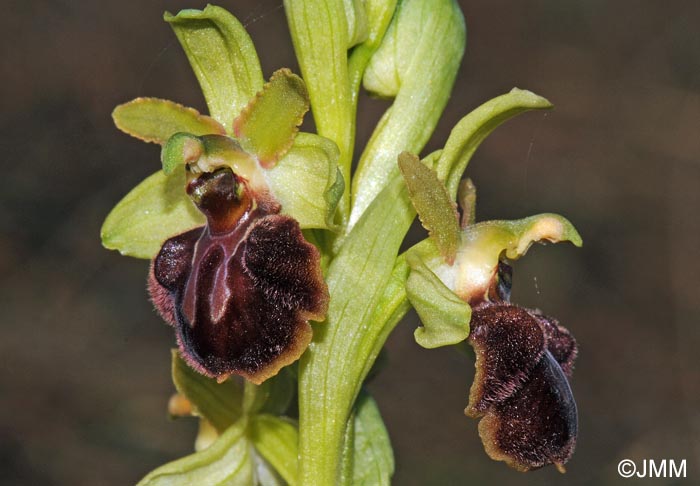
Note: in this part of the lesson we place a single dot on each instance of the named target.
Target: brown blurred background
(84, 360)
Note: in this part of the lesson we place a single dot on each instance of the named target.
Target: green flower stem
(333, 368)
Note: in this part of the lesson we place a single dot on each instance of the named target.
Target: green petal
(471, 130)
(268, 124)
(228, 461)
(417, 64)
(222, 57)
(152, 212)
(372, 455)
(218, 403)
(445, 316)
(277, 440)
(155, 120)
(435, 208)
(307, 182)
(483, 244)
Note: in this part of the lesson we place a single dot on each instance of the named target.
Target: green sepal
(436, 210)
(267, 125)
(307, 182)
(222, 57)
(152, 212)
(484, 244)
(445, 317)
(156, 120)
(218, 403)
(228, 461)
(372, 461)
(277, 440)
(471, 130)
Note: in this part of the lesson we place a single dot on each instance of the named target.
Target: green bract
(314, 424)
(222, 57)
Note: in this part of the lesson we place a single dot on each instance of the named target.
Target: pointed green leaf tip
(152, 212)
(445, 317)
(229, 460)
(155, 120)
(435, 209)
(268, 124)
(222, 57)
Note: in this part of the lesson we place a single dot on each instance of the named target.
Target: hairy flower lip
(241, 289)
(520, 391)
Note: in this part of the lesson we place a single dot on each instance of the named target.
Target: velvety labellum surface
(521, 388)
(241, 289)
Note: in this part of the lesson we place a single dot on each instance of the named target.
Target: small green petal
(435, 208)
(307, 182)
(268, 124)
(222, 57)
(218, 403)
(277, 440)
(445, 316)
(155, 120)
(227, 461)
(471, 130)
(152, 212)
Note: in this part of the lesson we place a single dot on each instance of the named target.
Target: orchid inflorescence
(278, 266)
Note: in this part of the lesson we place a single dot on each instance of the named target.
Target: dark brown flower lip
(520, 390)
(240, 290)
